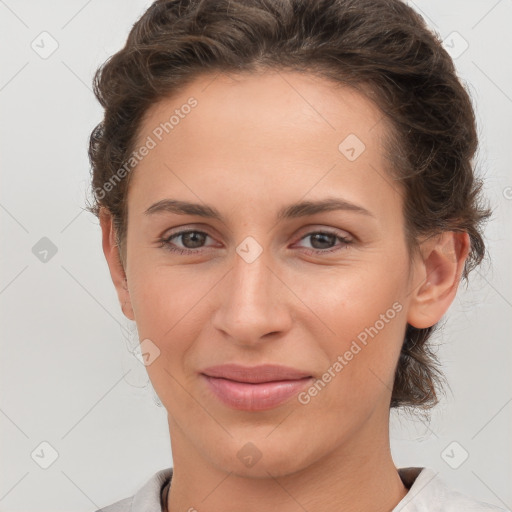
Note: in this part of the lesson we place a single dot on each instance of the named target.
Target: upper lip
(255, 374)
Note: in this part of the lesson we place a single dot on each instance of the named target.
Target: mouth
(256, 388)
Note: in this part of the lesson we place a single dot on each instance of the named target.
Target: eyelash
(166, 242)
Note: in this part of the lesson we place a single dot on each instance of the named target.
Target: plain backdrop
(73, 398)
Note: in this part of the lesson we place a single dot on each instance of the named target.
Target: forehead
(287, 131)
(265, 102)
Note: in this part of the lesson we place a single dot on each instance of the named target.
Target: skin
(254, 144)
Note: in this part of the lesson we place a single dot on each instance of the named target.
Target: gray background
(67, 376)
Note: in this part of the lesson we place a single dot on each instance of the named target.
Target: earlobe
(436, 277)
(117, 272)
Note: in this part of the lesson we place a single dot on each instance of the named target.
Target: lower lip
(255, 397)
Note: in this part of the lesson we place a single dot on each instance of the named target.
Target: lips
(254, 388)
(255, 374)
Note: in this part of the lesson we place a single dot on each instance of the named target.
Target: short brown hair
(381, 47)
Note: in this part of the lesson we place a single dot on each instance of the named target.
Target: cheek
(365, 312)
(362, 359)
(167, 314)
(171, 310)
(152, 303)
(162, 297)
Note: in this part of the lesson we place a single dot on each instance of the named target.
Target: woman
(287, 201)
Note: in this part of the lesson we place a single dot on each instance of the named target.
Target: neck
(359, 475)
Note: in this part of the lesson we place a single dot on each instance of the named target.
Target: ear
(436, 278)
(117, 273)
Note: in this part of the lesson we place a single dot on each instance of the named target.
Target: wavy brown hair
(381, 47)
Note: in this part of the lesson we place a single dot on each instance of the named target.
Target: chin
(263, 456)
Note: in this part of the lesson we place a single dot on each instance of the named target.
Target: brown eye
(324, 242)
(191, 240)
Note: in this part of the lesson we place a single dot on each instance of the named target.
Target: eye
(321, 239)
(191, 239)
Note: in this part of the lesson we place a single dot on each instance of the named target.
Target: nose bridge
(253, 301)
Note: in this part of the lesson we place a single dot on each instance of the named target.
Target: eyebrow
(292, 211)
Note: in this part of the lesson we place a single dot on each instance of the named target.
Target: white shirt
(427, 493)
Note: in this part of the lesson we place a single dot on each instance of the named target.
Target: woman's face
(324, 291)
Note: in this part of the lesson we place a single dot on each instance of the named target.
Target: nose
(254, 303)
